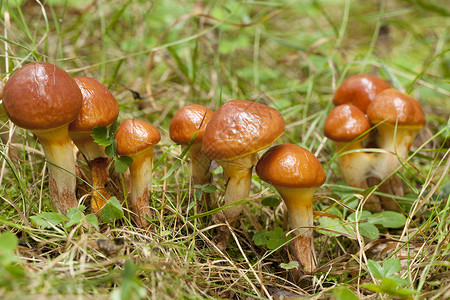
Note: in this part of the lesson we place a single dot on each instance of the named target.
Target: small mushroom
(295, 173)
(99, 108)
(44, 99)
(189, 121)
(359, 90)
(347, 126)
(137, 139)
(234, 135)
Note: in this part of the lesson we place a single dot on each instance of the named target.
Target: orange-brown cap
(391, 105)
(41, 96)
(291, 166)
(134, 136)
(345, 123)
(99, 108)
(239, 128)
(187, 122)
(359, 90)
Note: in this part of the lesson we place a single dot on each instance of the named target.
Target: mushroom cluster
(63, 111)
(367, 107)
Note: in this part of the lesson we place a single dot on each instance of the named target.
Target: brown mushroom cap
(99, 108)
(187, 122)
(239, 128)
(41, 96)
(394, 106)
(291, 166)
(359, 90)
(134, 136)
(345, 123)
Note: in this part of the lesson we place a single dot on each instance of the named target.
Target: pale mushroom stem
(355, 168)
(200, 165)
(237, 176)
(57, 147)
(141, 180)
(397, 141)
(299, 202)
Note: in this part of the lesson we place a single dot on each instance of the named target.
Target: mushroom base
(299, 202)
(58, 151)
(99, 173)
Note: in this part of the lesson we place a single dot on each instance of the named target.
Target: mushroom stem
(200, 165)
(237, 175)
(354, 166)
(141, 178)
(98, 166)
(100, 174)
(57, 147)
(396, 140)
(299, 202)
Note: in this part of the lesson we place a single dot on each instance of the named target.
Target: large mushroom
(137, 139)
(99, 108)
(233, 137)
(296, 173)
(44, 99)
(359, 90)
(188, 122)
(398, 118)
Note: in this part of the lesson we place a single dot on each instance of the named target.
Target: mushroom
(234, 135)
(99, 108)
(398, 118)
(347, 126)
(359, 90)
(44, 99)
(136, 139)
(295, 173)
(189, 121)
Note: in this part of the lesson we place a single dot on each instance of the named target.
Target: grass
(157, 57)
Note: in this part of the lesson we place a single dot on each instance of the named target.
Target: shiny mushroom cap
(345, 123)
(239, 128)
(41, 96)
(394, 106)
(134, 136)
(99, 108)
(359, 90)
(187, 122)
(291, 166)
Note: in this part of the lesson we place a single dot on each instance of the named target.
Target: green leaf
(260, 238)
(75, 219)
(373, 287)
(208, 188)
(111, 149)
(375, 269)
(388, 219)
(111, 211)
(291, 265)
(391, 266)
(270, 201)
(344, 293)
(92, 220)
(100, 135)
(400, 281)
(122, 163)
(389, 285)
(336, 225)
(368, 230)
(276, 238)
(53, 218)
(8, 242)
